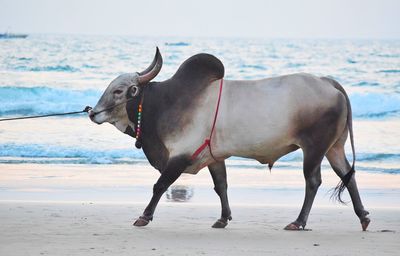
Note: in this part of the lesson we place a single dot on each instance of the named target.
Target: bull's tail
(338, 190)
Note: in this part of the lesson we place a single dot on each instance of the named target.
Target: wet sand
(184, 229)
(89, 210)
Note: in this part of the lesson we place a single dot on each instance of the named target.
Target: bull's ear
(133, 91)
(152, 71)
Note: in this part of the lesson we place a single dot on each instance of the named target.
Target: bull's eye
(118, 91)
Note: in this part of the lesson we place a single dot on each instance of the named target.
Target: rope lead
(85, 110)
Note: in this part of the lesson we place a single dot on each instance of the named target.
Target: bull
(259, 119)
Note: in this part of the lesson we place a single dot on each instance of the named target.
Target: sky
(205, 18)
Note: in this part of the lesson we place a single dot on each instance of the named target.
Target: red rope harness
(207, 142)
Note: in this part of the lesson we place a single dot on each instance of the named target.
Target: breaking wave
(38, 153)
(44, 100)
(51, 154)
(389, 71)
(57, 68)
(258, 67)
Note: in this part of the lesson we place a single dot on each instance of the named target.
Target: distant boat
(11, 35)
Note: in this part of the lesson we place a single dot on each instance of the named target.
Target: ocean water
(51, 73)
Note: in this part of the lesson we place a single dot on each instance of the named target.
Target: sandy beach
(89, 210)
(184, 229)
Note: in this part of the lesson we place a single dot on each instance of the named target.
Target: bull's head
(111, 107)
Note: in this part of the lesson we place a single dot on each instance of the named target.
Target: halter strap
(207, 142)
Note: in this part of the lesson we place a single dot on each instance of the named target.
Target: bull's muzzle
(92, 116)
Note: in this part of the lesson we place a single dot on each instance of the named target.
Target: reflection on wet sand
(179, 193)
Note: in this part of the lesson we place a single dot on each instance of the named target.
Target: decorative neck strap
(138, 130)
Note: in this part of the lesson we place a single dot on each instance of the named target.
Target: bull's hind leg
(312, 175)
(218, 173)
(337, 158)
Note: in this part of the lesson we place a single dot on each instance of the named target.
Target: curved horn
(153, 70)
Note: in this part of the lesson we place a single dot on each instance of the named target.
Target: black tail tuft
(338, 190)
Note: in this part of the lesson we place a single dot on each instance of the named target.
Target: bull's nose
(91, 114)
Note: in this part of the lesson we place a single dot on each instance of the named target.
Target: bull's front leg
(174, 169)
(218, 173)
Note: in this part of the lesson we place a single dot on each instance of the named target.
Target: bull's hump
(205, 67)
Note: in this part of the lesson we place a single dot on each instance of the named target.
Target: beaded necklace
(138, 143)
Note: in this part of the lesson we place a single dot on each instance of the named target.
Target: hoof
(364, 223)
(296, 227)
(292, 226)
(221, 223)
(141, 222)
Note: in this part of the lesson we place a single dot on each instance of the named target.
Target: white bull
(261, 119)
